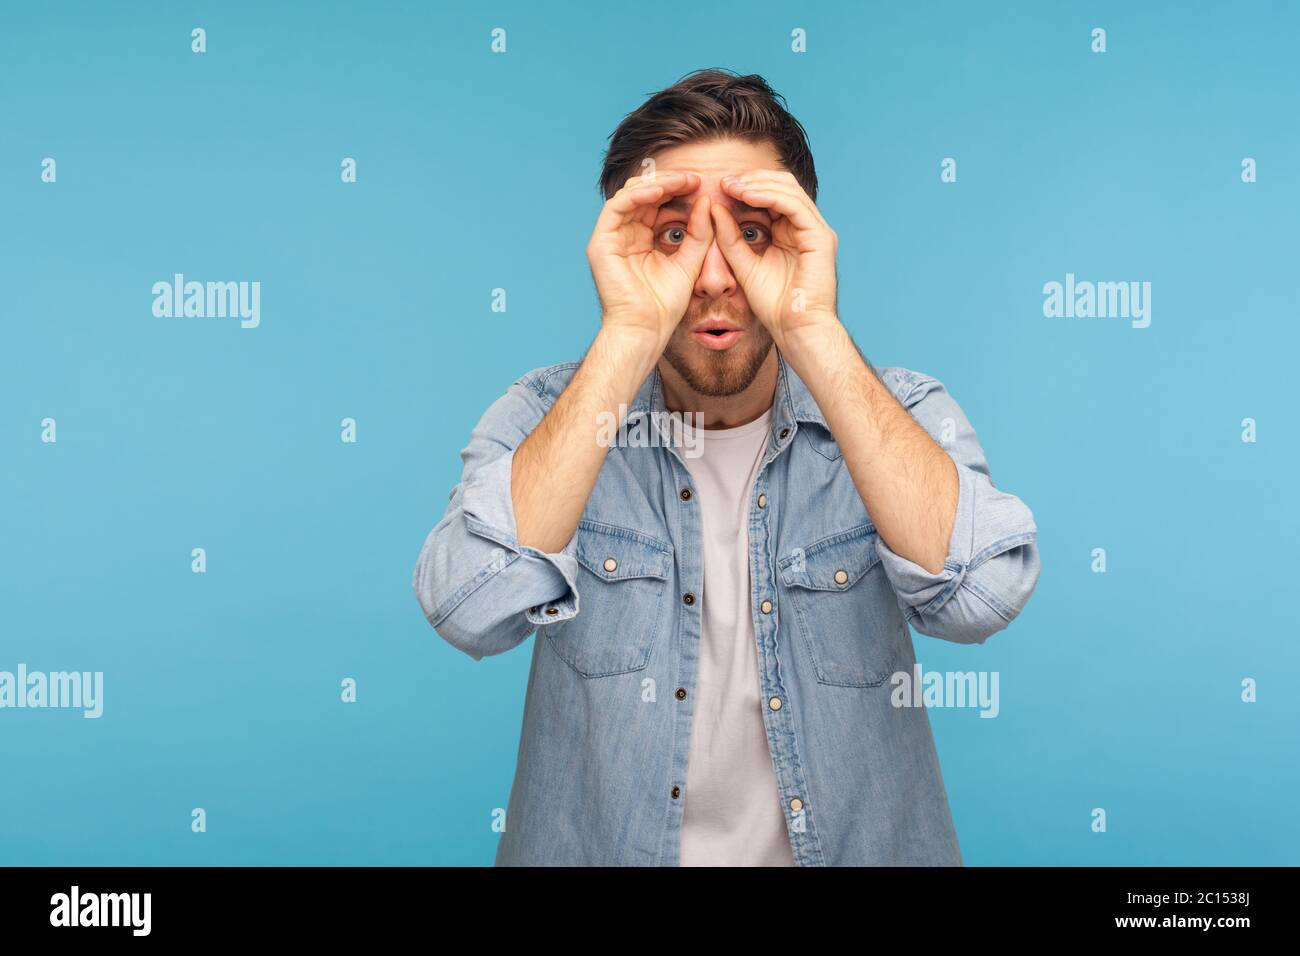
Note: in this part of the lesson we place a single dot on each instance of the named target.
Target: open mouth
(717, 338)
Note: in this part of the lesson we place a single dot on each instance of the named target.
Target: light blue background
(477, 171)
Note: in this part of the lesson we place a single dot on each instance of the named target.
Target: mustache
(717, 310)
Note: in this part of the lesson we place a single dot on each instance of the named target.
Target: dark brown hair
(702, 106)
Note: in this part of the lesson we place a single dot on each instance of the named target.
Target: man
(721, 598)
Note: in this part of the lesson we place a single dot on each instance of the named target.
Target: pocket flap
(834, 563)
(615, 553)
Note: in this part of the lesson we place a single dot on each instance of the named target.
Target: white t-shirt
(733, 814)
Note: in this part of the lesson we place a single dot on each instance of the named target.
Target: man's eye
(753, 233)
(674, 235)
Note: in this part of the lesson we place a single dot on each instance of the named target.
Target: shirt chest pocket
(845, 609)
(622, 586)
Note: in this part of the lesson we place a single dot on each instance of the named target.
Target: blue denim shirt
(602, 766)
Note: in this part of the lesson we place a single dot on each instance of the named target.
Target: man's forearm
(555, 467)
(906, 480)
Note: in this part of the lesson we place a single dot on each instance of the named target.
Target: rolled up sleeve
(480, 590)
(992, 564)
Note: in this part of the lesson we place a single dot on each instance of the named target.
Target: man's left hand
(790, 285)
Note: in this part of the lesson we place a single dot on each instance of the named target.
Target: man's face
(719, 346)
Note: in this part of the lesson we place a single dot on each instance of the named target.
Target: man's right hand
(644, 293)
(641, 287)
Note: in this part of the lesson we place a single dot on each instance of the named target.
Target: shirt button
(784, 433)
(688, 598)
(686, 494)
(612, 565)
(552, 611)
(766, 607)
(796, 804)
(774, 703)
(762, 501)
(840, 576)
(681, 693)
(676, 792)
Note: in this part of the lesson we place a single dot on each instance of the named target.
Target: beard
(718, 374)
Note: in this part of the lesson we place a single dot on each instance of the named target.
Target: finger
(735, 249)
(635, 191)
(699, 236)
(793, 204)
(781, 176)
(783, 180)
(639, 195)
(654, 176)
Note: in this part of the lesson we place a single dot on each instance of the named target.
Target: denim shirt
(601, 777)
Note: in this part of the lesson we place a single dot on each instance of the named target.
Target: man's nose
(716, 280)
